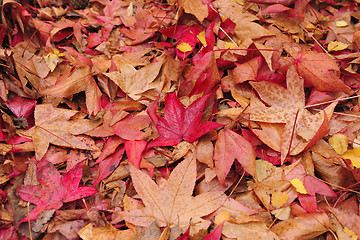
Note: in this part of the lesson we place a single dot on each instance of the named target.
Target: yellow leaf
(337, 46)
(201, 37)
(282, 213)
(299, 186)
(51, 61)
(354, 156)
(278, 199)
(184, 47)
(230, 45)
(264, 169)
(351, 233)
(339, 142)
(222, 216)
(341, 23)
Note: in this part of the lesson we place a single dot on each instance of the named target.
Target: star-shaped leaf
(173, 204)
(301, 127)
(53, 125)
(179, 123)
(53, 190)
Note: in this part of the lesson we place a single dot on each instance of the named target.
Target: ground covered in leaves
(188, 119)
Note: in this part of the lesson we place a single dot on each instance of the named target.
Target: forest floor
(188, 119)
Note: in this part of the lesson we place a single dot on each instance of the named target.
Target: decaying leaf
(173, 204)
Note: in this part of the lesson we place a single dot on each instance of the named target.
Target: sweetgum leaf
(179, 123)
(53, 190)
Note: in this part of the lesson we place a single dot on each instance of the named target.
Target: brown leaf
(53, 125)
(287, 106)
(173, 204)
(195, 7)
(303, 227)
(252, 230)
(135, 82)
(79, 79)
(318, 70)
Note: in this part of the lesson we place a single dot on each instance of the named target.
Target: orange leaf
(230, 146)
(319, 70)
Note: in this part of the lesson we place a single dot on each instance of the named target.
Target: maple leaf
(77, 80)
(173, 204)
(318, 70)
(53, 125)
(23, 109)
(179, 123)
(230, 146)
(308, 186)
(135, 82)
(53, 190)
(203, 77)
(195, 7)
(301, 128)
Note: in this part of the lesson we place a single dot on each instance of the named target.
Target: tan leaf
(173, 204)
(303, 227)
(195, 7)
(135, 82)
(252, 230)
(53, 125)
(75, 81)
(287, 106)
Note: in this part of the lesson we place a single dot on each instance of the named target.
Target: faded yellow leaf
(354, 156)
(282, 213)
(221, 216)
(51, 61)
(278, 199)
(337, 46)
(341, 23)
(299, 186)
(339, 142)
(201, 37)
(264, 169)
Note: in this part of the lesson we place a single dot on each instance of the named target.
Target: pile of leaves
(197, 119)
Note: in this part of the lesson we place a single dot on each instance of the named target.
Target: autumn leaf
(195, 7)
(298, 227)
(308, 186)
(179, 123)
(203, 77)
(173, 204)
(54, 190)
(135, 82)
(230, 146)
(77, 80)
(287, 107)
(47, 129)
(319, 70)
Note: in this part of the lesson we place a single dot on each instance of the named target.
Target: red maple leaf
(179, 123)
(54, 190)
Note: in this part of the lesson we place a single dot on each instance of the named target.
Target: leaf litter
(179, 119)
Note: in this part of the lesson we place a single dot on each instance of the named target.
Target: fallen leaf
(47, 130)
(54, 190)
(303, 227)
(322, 74)
(301, 128)
(230, 146)
(339, 142)
(179, 123)
(195, 7)
(173, 204)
